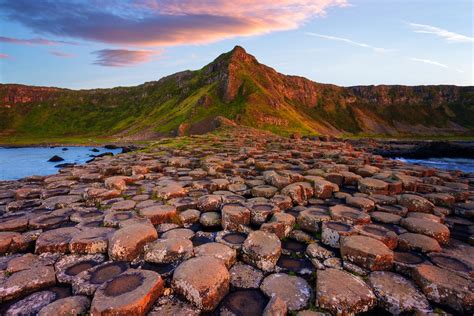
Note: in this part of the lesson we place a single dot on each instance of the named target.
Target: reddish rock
(128, 242)
(367, 252)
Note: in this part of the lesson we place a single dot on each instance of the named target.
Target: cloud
(162, 22)
(122, 57)
(430, 62)
(349, 41)
(60, 54)
(4, 56)
(448, 35)
(32, 41)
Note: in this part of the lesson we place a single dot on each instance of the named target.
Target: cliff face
(238, 87)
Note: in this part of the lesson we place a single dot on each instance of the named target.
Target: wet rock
(217, 250)
(87, 282)
(343, 293)
(68, 267)
(159, 214)
(367, 252)
(427, 227)
(204, 281)
(128, 242)
(131, 293)
(293, 290)
(243, 302)
(243, 276)
(444, 287)
(55, 158)
(262, 250)
(27, 281)
(74, 305)
(168, 250)
(235, 217)
(396, 294)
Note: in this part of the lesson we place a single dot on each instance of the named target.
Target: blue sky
(98, 43)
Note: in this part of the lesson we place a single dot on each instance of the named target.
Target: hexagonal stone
(332, 232)
(323, 189)
(203, 281)
(217, 250)
(14, 222)
(209, 203)
(11, 242)
(261, 211)
(235, 217)
(262, 250)
(444, 287)
(396, 294)
(189, 217)
(210, 219)
(178, 233)
(73, 305)
(266, 191)
(31, 304)
(243, 276)
(56, 240)
(385, 218)
(299, 192)
(131, 293)
(418, 242)
(293, 290)
(344, 213)
(372, 186)
(87, 282)
(68, 267)
(311, 219)
(362, 203)
(116, 182)
(128, 242)
(168, 250)
(367, 252)
(416, 203)
(91, 240)
(427, 227)
(385, 235)
(124, 205)
(343, 293)
(27, 281)
(159, 214)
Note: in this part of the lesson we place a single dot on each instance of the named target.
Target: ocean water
(463, 164)
(17, 163)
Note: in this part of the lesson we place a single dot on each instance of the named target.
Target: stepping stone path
(238, 222)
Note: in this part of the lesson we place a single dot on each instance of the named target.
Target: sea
(17, 163)
(463, 164)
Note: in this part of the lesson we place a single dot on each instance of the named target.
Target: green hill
(238, 87)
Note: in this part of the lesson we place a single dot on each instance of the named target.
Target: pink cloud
(123, 57)
(61, 54)
(163, 22)
(32, 41)
(4, 56)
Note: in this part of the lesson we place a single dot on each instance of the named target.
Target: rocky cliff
(238, 87)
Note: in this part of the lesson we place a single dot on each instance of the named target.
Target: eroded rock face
(204, 281)
(343, 293)
(131, 293)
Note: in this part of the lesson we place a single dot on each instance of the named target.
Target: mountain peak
(238, 53)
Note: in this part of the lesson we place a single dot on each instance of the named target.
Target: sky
(82, 44)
